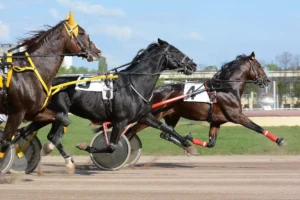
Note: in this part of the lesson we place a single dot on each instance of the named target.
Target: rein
(45, 55)
(166, 52)
(72, 35)
(6, 61)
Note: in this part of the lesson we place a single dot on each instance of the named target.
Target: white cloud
(84, 7)
(194, 36)
(54, 13)
(121, 33)
(4, 32)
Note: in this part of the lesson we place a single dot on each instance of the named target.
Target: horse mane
(141, 53)
(37, 36)
(227, 69)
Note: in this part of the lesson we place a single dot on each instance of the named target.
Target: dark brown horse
(27, 94)
(229, 84)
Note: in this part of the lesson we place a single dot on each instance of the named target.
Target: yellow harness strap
(57, 88)
(9, 74)
(32, 68)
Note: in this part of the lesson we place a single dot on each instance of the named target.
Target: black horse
(132, 96)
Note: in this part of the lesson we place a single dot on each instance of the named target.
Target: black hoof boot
(4, 145)
(281, 142)
(189, 137)
(65, 121)
(210, 144)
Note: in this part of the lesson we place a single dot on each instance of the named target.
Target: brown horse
(229, 84)
(34, 70)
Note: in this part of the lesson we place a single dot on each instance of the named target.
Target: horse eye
(81, 33)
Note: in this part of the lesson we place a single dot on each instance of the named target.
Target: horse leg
(246, 122)
(213, 134)
(55, 136)
(169, 133)
(31, 128)
(114, 139)
(139, 127)
(13, 122)
(70, 165)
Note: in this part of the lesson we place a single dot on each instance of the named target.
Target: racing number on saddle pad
(190, 88)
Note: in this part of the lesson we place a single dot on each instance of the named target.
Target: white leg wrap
(69, 162)
(51, 146)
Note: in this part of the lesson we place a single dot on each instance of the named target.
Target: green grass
(231, 140)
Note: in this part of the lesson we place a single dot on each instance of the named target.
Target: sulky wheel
(27, 154)
(110, 161)
(136, 150)
(7, 158)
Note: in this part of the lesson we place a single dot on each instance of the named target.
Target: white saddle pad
(95, 86)
(200, 97)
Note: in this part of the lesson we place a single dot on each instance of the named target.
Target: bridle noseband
(257, 78)
(184, 65)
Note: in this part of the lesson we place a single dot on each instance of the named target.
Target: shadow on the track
(162, 165)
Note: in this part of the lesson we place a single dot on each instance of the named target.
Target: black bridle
(83, 49)
(167, 53)
(257, 79)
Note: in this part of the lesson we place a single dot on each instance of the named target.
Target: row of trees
(283, 61)
(102, 67)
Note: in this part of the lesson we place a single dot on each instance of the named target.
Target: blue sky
(210, 32)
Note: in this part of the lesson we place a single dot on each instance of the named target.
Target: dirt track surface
(163, 178)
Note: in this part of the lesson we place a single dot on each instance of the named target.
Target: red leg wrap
(199, 142)
(270, 135)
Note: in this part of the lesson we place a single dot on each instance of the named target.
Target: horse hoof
(189, 137)
(70, 168)
(81, 146)
(47, 149)
(281, 142)
(191, 150)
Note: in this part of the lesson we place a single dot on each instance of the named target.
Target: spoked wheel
(7, 158)
(136, 150)
(110, 161)
(27, 154)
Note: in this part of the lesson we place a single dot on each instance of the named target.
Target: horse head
(175, 59)
(256, 72)
(79, 41)
(241, 69)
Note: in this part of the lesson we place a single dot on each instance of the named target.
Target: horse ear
(161, 42)
(252, 55)
(72, 23)
(71, 20)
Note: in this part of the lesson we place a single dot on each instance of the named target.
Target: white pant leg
(3, 118)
